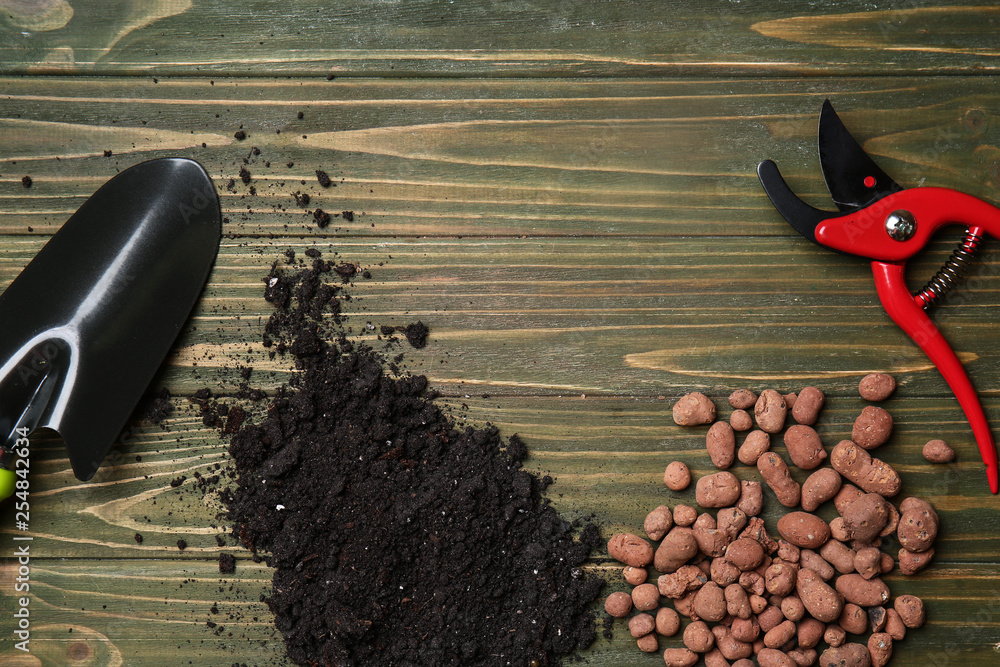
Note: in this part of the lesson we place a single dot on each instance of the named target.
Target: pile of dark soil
(398, 537)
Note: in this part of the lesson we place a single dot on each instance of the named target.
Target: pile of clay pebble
(747, 594)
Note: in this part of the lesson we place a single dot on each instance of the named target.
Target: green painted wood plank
(486, 158)
(594, 315)
(141, 612)
(637, 38)
(607, 455)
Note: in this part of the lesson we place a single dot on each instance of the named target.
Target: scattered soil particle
(348, 215)
(227, 563)
(234, 420)
(244, 175)
(159, 407)
(321, 217)
(323, 178)
(346, 271)
(607, 627)
(240, 135)
(26, 181)
(108, 153)
(416, 334)
(398, 537)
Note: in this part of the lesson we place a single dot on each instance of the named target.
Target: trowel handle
(905, 311)
(7, 481)
(14, 449)
(25, 392)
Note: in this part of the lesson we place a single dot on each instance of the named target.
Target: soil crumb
(398, 537)
(416, 334)
(227, 563)
(159, 407)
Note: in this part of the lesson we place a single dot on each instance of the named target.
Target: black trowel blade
(89, 321)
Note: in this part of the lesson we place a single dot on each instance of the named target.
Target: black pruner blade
(853, 178)
(800, 215)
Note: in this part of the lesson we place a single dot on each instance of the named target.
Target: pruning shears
(881, 221)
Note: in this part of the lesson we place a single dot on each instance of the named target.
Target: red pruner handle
(911, 318)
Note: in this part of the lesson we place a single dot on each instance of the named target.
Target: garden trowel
(86, 325)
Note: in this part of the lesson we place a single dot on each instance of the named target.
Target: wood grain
(635, 38)
(637, 317)
(486, 158)
(607, 455)
(123, 612)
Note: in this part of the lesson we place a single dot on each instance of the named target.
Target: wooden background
(565, 193)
